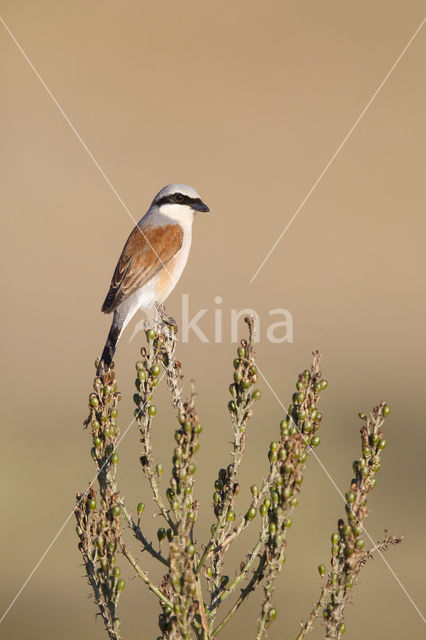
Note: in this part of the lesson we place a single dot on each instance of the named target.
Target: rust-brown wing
(146, 251)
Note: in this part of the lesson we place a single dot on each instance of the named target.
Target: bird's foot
(165, 318)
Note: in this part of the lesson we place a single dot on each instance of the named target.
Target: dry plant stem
(287, 464)
(226, 485)
(148, 369)
(143, 575)
(98, 517)
(365, 556)
(251, 586)
(139, 535)
(172, 366)
(348, 556)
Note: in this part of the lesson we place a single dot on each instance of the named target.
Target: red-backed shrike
(152, 260)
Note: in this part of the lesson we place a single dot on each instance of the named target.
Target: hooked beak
(199, 205)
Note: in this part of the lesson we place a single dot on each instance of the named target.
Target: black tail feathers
(109, 348)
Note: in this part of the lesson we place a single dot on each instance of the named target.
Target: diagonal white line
(344, 500)
(339, 148)
(61, 528)
(80, 139)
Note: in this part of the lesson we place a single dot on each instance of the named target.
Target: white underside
(145, 297)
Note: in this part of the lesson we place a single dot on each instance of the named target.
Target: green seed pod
(321, 570)
(230, 516)
(273, 446)
(341, 628)
(236, 363)
(303, 457)
(386, 410)
(335, 538)
(141, 376)
(231, 406)
(382, 444)
(97, 442)
(94, 402)
(272, 614)
(209, 572)
(256, 394)
(246, 384)
(282, 454)
(114, 458)
(152, 410)
(263, 510)
(251, 513)
(300, 397)
(360, 544)
(273, 456)
(350, 497)
(116, 572)
(140, 507)
(241, 352)
(254, 490)
(99, 542)
(170, 535)
(335, 549)
(150, 334)
(288, 522)
(307, 427)
(121, 584)
(315, 441)
(238, 376)
(190, 549)
(324, 384)
(155, 370)
(224, 581)
(198, 429)
(91, 504)
(161, 534)
(116, 511)
(272, 528)
(372, 482)
(299, 385)
(294, 502)
(159, 469)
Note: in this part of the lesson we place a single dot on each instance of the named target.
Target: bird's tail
(110, 344)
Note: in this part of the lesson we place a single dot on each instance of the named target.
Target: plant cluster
(195, 586)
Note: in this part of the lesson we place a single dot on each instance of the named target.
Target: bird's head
(179, 202)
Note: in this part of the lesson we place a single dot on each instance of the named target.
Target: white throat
(178, 213)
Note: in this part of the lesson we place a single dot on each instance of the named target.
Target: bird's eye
(178, 197)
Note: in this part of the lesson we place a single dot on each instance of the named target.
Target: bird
(152, 260)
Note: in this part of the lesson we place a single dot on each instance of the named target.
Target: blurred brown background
(247, 102)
